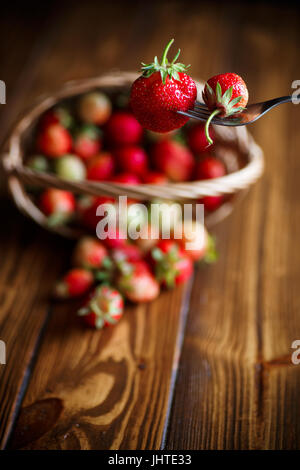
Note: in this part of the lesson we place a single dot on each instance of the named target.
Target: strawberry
(197, 139)
(57, 115)
(126, 178)
(94, 108)
(137, 282)
(75, 283)
(173, 159)
(162, 91)
(132, 159)
(58, 205)
(209, 167)
(89, 253)
(211, 203)
(70, 167)
(115, 239)
(172, 266)
(105, 306)
(87, 207)
(38, 163)
(224, 94)
(123, 129)
(196, 234)
(128, 252)
(155, 177)
(147, 240)
(87, 142)
(54, 141)
(101, 167)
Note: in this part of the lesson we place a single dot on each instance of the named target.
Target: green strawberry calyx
(223, 104)
(165, 68)
(102, 316)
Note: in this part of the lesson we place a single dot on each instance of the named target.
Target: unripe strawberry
(87, 142)
(54, 141)
(75, 283)
(123, 129)
(105, 306)
(95, 108)
(209, 167)
(173, 159)
(38, 163)
(58, 205)
(89, 253)
(132, 159)
(71, 168)
(101, 167)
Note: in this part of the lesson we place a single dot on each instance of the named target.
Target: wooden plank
(110, 389)
(236, 387)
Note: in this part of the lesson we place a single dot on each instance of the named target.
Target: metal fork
(249, 115)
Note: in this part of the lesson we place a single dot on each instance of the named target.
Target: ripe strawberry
(173, 159)
(58, 205)
(94, 108)
(197, 139)
(172, 265)
(87, 142)
(54, 141)
(209, 167)
(57, 115)
(87, 208)
(105, 306)
(114, 239)
(75, 283)
(123, 129)
(194, 233)
(224, 94)
(128, 252)
(155, 177)
(162, 91)
(132, 159)
(147, 239)
(137, 282)
(70, 167)
(101, 167)
(89, 253)
(211, 203)
(126, 178)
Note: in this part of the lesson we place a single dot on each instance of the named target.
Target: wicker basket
(20, 175)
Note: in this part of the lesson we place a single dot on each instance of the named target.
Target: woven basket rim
(20, 174)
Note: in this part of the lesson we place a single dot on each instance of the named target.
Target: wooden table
(228, 382)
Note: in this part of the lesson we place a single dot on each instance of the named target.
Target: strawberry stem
(213, 114)
(165, 53)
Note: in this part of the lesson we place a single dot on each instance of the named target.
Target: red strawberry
(132, 159)
(87, 142)
(95, 108)
(162, 91)
(172, 265)
(123, 129)
(137, 282)
(128, 252)
(58, 205)
(101, 167)
(224, 94)
(89, 253)
(194, 233)
(59, 115)
(173, 159)
(148, 238)
(211, 203)
(155, 177)
(75, 283)
(114, 239)
(105, 306)
(209, 167)
(87, 209)
(126, 178)
(54, 141)
(197, 139)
